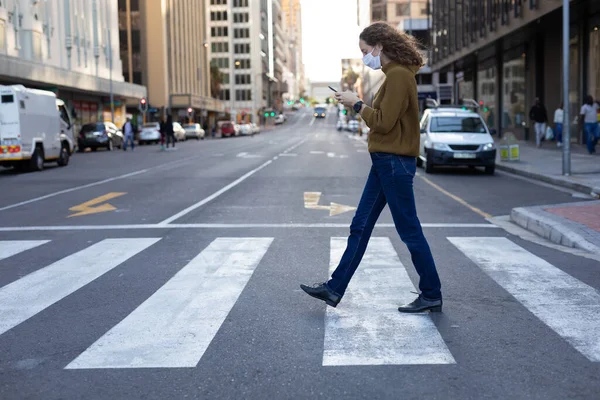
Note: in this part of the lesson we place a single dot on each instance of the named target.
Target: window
(241, 33)
(242, 79)
(224, 94)
(218, 2)
(402, 9)
(136, 41)
(242, 64)
(243, 95)
(220, 47)
(134, 5)
(222, 62)
(241, 17)
(240, 3)
(8, 98)
(243, 48)
(225, 78)
(218, 15)
(424, 79)
(219, 31)
(457, 124)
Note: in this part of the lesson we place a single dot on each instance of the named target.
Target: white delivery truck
(35, 127)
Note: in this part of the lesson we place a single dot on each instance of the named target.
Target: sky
(329, 33)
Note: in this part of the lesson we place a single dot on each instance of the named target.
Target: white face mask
(372, 61)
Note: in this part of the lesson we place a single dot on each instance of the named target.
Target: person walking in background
(559, 115)
(393, 146)
(588, 122)
(128, 132)
(539, 116)
(169, 131)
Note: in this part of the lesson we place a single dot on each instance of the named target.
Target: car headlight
(440, 146)
(489, 146)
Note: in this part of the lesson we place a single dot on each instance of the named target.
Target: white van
(35, 127)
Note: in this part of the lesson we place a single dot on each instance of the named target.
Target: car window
(457, 124)
(99, 127)
(153, 125)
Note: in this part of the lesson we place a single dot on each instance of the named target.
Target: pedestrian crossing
(175, 325)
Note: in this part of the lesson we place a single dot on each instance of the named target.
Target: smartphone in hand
(332, 89)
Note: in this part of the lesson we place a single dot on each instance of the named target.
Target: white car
(150, 133)
(341, 125)
(255, 128)
(280, 119)
(179, 132)
(237, 129)
(353, 126)
(194, 131)
(245, 129)
(457, 137)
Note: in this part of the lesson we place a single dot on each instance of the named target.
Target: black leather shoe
(322, 292)
(421, 304)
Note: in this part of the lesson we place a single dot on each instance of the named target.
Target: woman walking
(559, 115)
(169, 131)
(393, 146)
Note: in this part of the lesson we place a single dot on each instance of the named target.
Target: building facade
(246, 43)
(164, 45)
(69, 47)
(295, 79)
(507, 53)
(396, 11)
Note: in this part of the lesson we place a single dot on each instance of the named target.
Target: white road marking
(330, 155)
(361, 151)
(366, 327)
(222, 226)
(312, 122)
(174, 327)
(288, 155)
(9, 248)
(568, 306)
(24, 298)
(317, 152)
(115, 178)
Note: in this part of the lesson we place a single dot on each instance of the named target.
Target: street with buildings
(166, 272)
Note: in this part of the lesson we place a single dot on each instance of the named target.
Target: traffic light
(143, 105)
(272, 114)
(302, 100)
(190, 110)
(345, 111)
(266, 114)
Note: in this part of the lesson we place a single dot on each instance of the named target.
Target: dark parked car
(100, 135)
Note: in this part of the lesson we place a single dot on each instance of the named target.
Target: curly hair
(397, 45)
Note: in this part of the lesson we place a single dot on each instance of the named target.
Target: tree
(216, 80)
(350, 78)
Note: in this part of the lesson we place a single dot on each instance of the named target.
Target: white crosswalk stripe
(37, 291)
(366, 328)
(568, 306)
(9, 248)
(175, 326)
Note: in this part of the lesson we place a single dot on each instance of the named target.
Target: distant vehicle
(194, 131)
(237, 128)
(341, 125)
(353, 126)
(458, 137)
(280, 119)
(100, 135)
(35, 127)
(255, 128)
(179, 132)
(150, 133)
(227, 129)
(319, 112)
(245, 129)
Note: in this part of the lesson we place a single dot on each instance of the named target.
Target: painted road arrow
(90, 207)
(311, 201)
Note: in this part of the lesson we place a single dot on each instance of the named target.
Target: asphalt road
(168, 275)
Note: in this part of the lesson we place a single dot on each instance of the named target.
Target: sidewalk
(545, 164)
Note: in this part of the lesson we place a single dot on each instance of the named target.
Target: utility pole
(566, 155)
(110, 64)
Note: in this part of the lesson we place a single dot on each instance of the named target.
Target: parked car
(179, 132)
(227, 129)
(280, 119)
(150, 133)
(194, 131)
(255, 128)
(457, 137)
(245, 129)
(100, 135)
(353, 126)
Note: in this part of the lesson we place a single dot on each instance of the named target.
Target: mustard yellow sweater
(394, 117)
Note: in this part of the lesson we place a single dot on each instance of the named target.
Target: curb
(580, 187)
(551, 230)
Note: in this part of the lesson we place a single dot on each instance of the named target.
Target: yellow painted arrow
(311, 201)
(88, 207)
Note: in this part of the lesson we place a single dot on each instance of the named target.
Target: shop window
(514, 112)
(402, 9)
(486, 82)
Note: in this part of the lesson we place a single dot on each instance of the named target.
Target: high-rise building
(164, 45)
(246, 43)
(71, 48)
(396, 11)
(292, 15)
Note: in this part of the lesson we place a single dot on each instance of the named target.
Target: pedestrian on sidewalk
(163, 132)
(588, 123)
(559, 115)
(539, 116)
(393, 146)
(128, 132)
(170, 133)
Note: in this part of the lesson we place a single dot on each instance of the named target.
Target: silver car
(194, 131)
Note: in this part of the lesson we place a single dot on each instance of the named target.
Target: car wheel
(490, 170)
(110, 146)
(63, 159)
(37, 160)
(94, 148)
(428, 164)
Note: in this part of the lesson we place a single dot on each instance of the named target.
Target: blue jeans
(390, 182)
(128, 141)
(558, 132)
(591, 136)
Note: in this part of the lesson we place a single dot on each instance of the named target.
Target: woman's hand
(347, 98)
